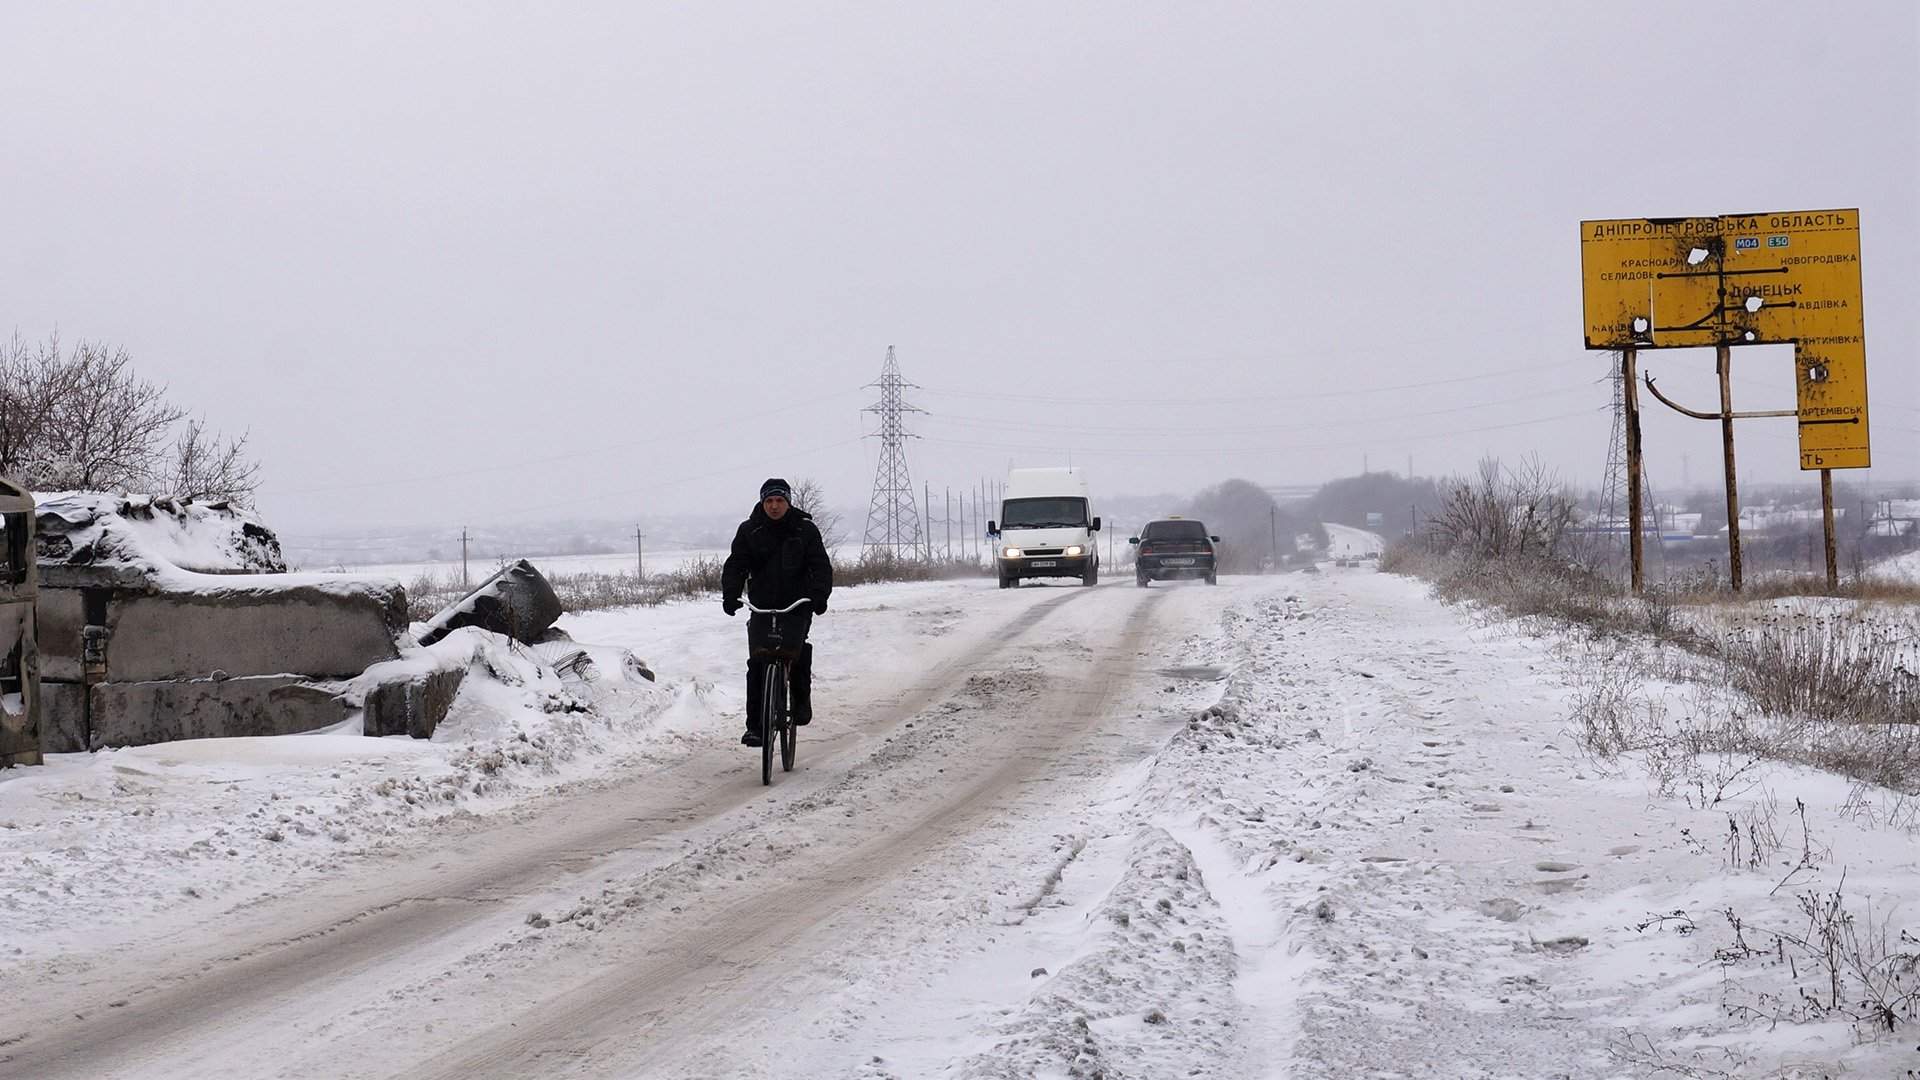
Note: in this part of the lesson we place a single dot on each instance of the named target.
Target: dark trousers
(793, 630)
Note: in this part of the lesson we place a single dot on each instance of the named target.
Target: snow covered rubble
(111, 845)
(1342, 832)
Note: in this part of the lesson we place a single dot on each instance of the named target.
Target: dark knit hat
(775, 486)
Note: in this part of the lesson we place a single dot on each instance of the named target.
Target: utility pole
(1273, 527)
(463, 557)
(926, 514)
(947, 519)
(639, 553)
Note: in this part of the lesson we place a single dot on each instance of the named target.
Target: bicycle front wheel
(773, 701)
(789, 733)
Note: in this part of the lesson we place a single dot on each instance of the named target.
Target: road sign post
(1826, 527)
(1636, 543)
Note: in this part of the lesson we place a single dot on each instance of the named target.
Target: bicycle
(774, 714)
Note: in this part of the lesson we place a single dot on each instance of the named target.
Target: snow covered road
(1309, 825)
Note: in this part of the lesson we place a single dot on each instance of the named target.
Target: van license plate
(1176, 562)
(1037, 563)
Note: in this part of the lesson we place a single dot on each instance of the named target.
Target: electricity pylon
(893, 516)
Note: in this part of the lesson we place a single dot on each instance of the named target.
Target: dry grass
(1690, 671)
(697, 578)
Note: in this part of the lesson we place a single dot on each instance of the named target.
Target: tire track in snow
(267, 976)
(650, 1016)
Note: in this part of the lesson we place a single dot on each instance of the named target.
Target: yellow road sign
(1743, 279)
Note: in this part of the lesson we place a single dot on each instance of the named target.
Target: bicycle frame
(775, 720)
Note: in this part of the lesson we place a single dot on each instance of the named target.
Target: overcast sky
(476, 263)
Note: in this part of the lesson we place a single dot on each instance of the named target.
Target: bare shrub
(1502, 513)
(1841, 964)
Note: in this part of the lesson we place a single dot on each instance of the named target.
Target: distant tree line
(80, 418)
(1400, 501)
(1254, 529)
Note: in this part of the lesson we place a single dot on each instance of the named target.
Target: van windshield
(1054, 513)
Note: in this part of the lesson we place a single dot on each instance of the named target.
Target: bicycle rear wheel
(773, 694)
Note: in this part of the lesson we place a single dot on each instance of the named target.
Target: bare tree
(33, 380)
(107, 428)
(205, 466)
(808, 495)
(81, 418)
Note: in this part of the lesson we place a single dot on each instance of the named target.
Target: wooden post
(1636, 543)
(1826, 516)
(1724, 356)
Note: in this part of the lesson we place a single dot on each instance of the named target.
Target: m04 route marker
(1744, 279)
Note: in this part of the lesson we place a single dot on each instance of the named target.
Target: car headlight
(1076, 550)
(1011, 553)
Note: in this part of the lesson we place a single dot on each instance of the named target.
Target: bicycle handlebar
(775, 611)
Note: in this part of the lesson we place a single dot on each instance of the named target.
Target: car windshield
(1062, 512)
(1175, 530)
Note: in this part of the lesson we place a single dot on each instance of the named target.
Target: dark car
(1174, 548)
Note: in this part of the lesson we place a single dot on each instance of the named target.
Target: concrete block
(414, 705)
(59, 614)
(312, 632)
(139, 713)
(515, 601)
(63, 717)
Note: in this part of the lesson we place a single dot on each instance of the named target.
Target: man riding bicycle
(778, 557)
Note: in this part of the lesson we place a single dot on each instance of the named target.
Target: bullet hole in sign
(1754, 302)
(1696, 256)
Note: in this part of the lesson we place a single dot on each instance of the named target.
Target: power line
(1190, 429)
(1236, 398)
(1153, 451)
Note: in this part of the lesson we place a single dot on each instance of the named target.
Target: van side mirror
(992, 530)
(1096, 523)
(1215, 539)
(1133, 540)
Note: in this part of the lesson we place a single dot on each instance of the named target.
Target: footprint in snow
(1503, 908)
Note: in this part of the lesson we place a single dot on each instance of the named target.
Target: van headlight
(1076, 550)
(1011, 553)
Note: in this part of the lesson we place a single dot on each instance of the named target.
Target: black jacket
(777, 562)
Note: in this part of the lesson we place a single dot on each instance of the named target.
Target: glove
(729, 605)
(819, 607)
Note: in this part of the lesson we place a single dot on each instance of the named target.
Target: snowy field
(663, 561)
(1308, 825)
(1900, 567)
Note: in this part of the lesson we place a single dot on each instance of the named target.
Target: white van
(1046, 527)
